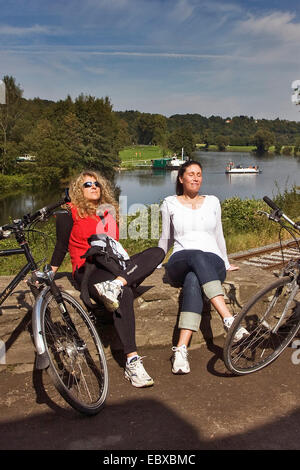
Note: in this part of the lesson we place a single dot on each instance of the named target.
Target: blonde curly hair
(85, 208)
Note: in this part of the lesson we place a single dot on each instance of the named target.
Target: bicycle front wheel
(78, 366)
(272, 318)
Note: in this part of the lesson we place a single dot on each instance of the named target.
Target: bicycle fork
(42, 359)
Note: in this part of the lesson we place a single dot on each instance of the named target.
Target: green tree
(221, 142)
(207, 138)
(151, 129)
(9, 114)
(100, 132)
(297, 146)
(182, 137)
(262, 139)
(278, 146)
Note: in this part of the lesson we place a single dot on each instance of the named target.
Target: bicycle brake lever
(262, 213)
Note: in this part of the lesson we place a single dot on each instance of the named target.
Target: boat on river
(174, 163)
(160, 163)
(231, 168)
(170, 163)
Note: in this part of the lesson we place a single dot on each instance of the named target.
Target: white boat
(252, 169)
(175, 163)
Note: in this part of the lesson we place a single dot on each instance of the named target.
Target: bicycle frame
(30, 266)
(291, 296)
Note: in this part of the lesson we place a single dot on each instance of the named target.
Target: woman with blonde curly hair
(94, 211)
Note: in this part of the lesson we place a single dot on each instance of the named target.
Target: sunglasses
(89, 184)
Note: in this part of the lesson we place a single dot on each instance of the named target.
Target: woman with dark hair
(192, 224)
(94, 211)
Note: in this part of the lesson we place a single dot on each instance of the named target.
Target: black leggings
(140, 266)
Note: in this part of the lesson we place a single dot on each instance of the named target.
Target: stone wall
(157, 306)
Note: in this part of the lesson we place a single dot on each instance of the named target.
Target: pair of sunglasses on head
(89, 184)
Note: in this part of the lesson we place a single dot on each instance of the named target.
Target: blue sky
(210, 57)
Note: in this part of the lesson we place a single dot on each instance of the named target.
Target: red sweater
(83, 229)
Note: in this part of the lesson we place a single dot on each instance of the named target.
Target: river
(146, 186)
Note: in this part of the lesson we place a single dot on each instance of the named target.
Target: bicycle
(66, 341)
(272, 316)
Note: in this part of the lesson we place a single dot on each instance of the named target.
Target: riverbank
(137, 156)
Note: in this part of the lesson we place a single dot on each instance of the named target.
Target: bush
(14, 182)
(241, 215)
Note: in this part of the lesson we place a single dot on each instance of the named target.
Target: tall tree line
(69, 135)
(64, 136)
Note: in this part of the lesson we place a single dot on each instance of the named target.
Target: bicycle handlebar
(27, 219)
(271, 203)
(277, 214)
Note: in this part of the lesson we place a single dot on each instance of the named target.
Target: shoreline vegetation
(243, 229)
(136, 156)
(131, 157)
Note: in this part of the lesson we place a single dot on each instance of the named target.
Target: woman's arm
(167, 235)
(220, 236)
(64, 224)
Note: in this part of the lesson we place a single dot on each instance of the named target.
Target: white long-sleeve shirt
(193, 229)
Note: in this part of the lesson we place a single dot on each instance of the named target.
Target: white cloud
(277, 24)
(182, 10)
(22, 31)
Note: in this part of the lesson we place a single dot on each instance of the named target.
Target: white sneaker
(135, 372)
(239, 334)
(180, 363)
(109, 292)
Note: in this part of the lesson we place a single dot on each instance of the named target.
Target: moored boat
(174, 163)
(238, 169)
(170, 163)
(160, 163)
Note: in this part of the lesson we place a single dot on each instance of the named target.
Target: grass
(229, 148)
(141, 155)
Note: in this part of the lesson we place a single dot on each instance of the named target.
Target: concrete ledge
(157, 307)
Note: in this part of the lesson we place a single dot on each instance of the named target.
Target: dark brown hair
(181, 171)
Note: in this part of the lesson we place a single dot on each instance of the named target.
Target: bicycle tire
(260, 316)
(78, 370)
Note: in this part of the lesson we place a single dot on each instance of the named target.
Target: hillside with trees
(71, 134)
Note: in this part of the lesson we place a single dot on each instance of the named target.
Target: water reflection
(173, 175)
(16, 205)
(240, 180)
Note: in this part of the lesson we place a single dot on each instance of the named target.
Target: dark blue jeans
(197, 272)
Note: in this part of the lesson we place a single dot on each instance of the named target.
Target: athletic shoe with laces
(180, 363)
(109, 292)
(136, 373)
(240, 333)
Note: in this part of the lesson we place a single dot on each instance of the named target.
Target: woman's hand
(232, 267)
